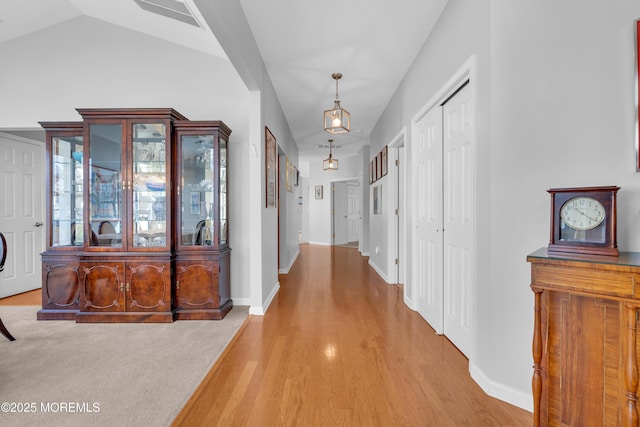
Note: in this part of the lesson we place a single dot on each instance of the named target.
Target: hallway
(338, 347)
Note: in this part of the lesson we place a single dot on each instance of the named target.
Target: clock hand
(585, 215)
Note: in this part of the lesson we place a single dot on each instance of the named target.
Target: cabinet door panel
(61, 286)
(148, 287)
(197, 285)
(103, 290)
(583, 359)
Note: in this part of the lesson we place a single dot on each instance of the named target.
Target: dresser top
(631, 259)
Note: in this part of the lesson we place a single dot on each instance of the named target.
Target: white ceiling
(302, 42)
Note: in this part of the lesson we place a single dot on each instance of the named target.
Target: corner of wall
(261, 310)
(500, 391)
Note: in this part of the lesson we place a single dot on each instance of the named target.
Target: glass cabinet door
(105, 192)
(67, 191)
(149, 181)
(223, 191)
(197, 190)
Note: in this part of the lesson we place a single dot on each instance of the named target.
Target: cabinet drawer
(585, 280)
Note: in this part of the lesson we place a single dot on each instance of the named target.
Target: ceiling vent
(171, 9)
(326, 146)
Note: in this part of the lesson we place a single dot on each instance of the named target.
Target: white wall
(380, 248)
(85, 62)
(462, 31)
(227, 21)
(365, 244)
(555, 108)
(46, 75)
(562, 116)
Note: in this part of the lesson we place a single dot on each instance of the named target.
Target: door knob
(38, 224)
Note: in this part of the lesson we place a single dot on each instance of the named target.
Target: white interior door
(458, 197)
(339, 197)
(22, 214)
(353, 212)
(427, 240)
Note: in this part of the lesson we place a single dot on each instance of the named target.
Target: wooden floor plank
(26, 298)
(338, 347)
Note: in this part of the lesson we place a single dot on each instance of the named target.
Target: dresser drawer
(585, 280)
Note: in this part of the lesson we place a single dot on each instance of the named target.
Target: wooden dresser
(585, 344)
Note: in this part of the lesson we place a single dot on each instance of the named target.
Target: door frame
(41, 144)
(398, 225)
(466, 73)
(332, 205)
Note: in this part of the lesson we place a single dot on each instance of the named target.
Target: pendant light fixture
(337, 120)
(330, 164)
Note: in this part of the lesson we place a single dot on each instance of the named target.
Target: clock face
(582, 213)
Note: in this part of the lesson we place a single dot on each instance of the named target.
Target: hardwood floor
(338, 347)
(26, 298)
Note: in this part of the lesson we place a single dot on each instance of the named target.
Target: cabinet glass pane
(197, 195)
(223, 191)
(66, 200)
(149, 213)
(105, 165)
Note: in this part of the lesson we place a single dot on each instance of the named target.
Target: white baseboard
(260, 311)
(380, 273)
(500, 391)
(409, 303)
(241, 301)
(288, 267)
(320, 243)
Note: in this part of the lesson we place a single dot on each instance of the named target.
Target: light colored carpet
(72, 374)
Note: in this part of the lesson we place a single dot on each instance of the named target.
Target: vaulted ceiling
(302, 42)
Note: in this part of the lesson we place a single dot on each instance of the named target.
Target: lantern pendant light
(330, 163)
(337, 120)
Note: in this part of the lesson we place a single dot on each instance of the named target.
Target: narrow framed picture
(318, 191)
(370, 172)
(270, 169)
(377, 199)
(384, 161)
(289, 174)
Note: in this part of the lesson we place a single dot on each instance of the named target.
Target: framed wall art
(370, 172)
(384, 160)
(271, 160)
(377, 199)
(289, 174)
(318, 191)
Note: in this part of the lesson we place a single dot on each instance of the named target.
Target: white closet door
(427, 239)
(458, 201)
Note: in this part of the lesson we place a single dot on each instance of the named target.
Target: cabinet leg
(536, 382)
(5, 332)
(631, 370)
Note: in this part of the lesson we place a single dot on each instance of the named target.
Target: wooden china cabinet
(137, 218)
